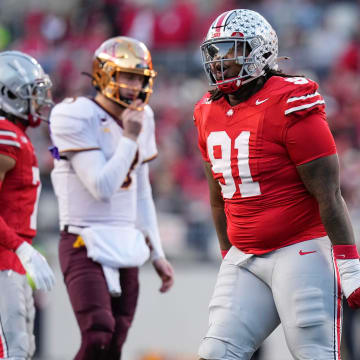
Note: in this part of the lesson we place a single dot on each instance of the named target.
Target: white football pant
(297, 285)
(17, 314)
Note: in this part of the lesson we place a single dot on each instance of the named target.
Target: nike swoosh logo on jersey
(306, 252)
(258, 102)
(342, 256)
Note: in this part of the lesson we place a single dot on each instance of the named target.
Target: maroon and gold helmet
(122, 54)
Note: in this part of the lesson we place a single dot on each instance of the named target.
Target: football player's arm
(318, 167)
(103, 178)
(147, 222)
(8, 238)
(146, 214)
(311, 147)
(321, 179)
(217, 209)
(33, 262)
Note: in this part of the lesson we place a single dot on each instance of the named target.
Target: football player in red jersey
(24, 99)
(273, 174)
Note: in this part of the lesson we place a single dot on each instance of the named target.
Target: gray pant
(17, 313)
(296, 285)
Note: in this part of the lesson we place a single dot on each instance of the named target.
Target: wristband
(343, 252)
(224, 252)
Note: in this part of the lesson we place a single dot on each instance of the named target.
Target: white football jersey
(81, 124)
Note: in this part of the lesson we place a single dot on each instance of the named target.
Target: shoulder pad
(9, 136)
(302, 96)
(71, 115)
(204, 100)
(5, 124)
(74, 107)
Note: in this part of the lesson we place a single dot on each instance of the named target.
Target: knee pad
(309, 307)
(212, 349)
(100, 320)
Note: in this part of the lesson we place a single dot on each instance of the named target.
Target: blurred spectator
(138, 22)
(175, 24)
(5, 37)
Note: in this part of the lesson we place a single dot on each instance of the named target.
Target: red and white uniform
(254, 148)
(19, 194)
(280, 268)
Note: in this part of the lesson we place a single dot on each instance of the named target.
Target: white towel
(112, 277)
(117, 247)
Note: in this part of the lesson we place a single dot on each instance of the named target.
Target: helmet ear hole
(146, 81)
(248, 49)
(11, 95)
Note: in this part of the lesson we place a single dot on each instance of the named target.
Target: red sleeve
(309, 138)
(302, 98)
(9, 238)
(201, 139)
(8, 151)
(9, 141)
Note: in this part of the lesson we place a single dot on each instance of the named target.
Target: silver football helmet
(244, 37)
(24, 88)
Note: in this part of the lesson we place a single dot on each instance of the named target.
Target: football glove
(36, 266)
(347, 259)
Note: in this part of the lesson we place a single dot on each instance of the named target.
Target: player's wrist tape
(347, 260)
(224, 252)
(343, 252)
(24, 252)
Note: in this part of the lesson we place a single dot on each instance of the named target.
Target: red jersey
(254, 148)
(19, 194)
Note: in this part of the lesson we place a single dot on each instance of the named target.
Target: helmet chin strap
(126, 100)
(141, 96)
(231, 86)
(33, 121)
(234, 84)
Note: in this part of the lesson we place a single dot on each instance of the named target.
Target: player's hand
(132, 121)
(354, 299)
(165, 272)
(350, 281)
(348, 264)
(36, 266)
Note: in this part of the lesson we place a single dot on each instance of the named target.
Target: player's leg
(307, 295)
(30, 319)
(90, 299)
(16, 313)
(242, 314)
(124, 309)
